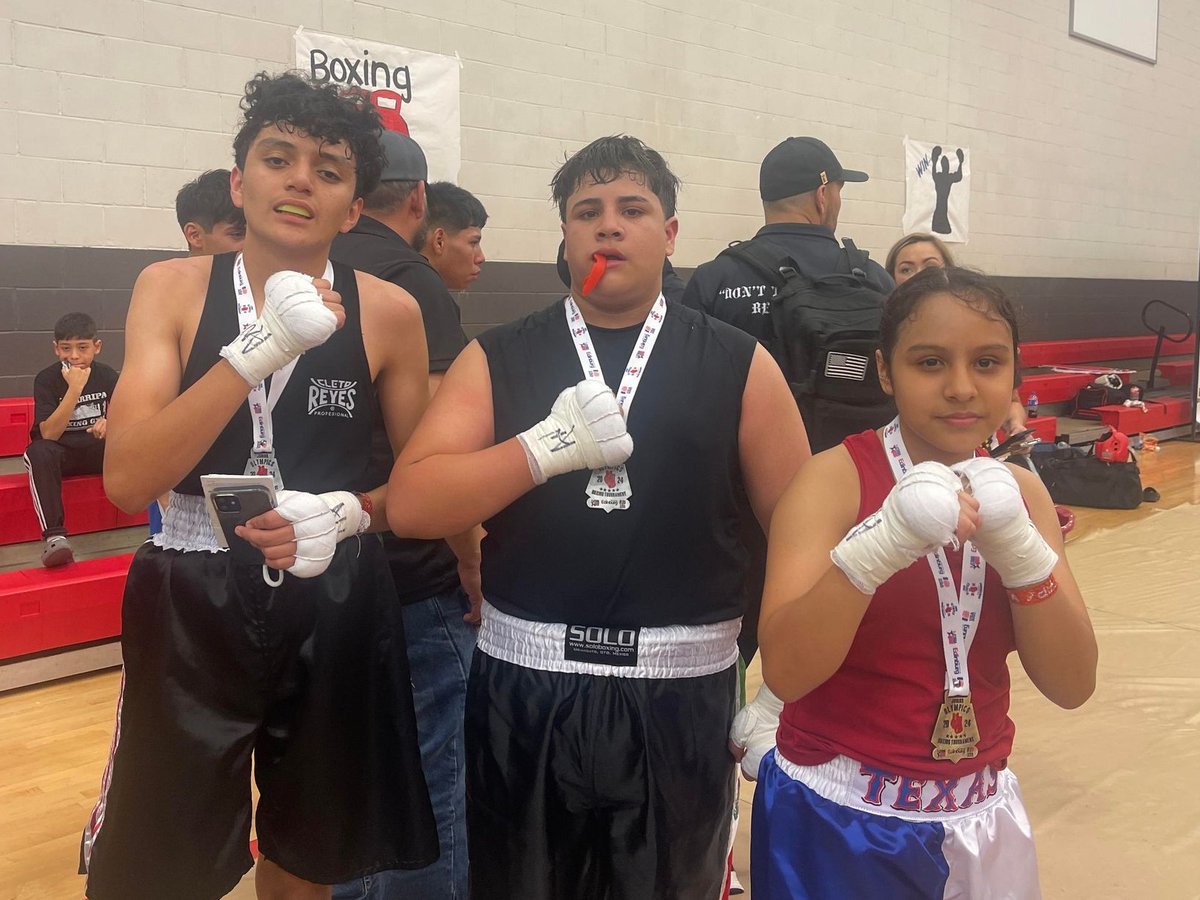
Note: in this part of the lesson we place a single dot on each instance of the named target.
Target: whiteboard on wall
(1128, 26)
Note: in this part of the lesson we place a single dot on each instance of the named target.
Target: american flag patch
(846, 365)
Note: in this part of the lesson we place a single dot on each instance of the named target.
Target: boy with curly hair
(270, 362)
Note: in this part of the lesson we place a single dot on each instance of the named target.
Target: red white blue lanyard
(261, 404)
(959, 611)
(638, 358)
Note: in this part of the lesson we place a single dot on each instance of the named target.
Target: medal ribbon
(261, 404)
(639, 358)
(959, 612)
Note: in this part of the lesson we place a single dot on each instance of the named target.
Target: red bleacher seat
(1165, 412)
(87, 509)
(16, 418)
(1053, 387)
(45, 609)
(1178, 371)
(1098, 350)
(1045, 427)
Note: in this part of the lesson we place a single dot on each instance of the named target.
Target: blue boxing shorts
(845, 829)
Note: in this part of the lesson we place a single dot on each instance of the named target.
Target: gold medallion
(955, 733)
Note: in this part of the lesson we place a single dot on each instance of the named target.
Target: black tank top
(323, 421)
(675, 557)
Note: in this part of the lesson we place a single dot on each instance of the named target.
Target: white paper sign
(938, 189)
(416, 93)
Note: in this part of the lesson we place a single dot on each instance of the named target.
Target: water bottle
(1031, 406)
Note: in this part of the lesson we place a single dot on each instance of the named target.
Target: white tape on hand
(1006, 537)
(293, 319)
(585, 430)
(919, 514)
(320, 521)
(754, 729)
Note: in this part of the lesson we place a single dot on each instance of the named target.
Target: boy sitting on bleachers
(70, 402)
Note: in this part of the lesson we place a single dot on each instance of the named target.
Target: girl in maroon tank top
(901, 572)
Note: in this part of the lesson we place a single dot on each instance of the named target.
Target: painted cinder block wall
(1086, 190)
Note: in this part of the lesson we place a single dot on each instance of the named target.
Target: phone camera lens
(227, 503)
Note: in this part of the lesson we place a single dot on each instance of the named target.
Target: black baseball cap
(405, 158)
(800, 165)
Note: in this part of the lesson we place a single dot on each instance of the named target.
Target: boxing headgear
(1114, 448)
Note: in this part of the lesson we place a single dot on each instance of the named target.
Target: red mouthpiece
(593, 278)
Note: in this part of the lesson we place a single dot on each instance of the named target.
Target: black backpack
(826, 334)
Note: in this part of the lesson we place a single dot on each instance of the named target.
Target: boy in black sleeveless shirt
(265, 362)
(599, 705)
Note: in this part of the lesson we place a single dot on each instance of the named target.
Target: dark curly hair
(607, 159)
(327, 112)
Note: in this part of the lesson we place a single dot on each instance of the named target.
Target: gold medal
(955, 733)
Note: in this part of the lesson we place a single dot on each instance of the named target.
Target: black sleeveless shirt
(323, 421)
(676, 556)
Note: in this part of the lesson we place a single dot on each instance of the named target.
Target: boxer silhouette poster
(416, 93)
(937, 189)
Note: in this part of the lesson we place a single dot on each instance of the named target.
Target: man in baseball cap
(437, 582)
(800, 165)
(800, 183)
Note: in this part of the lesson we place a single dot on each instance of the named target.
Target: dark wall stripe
(39, 284)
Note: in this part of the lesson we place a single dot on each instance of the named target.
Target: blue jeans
(440, 645)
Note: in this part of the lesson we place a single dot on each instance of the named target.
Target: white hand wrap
(754, 729)
(320, 521)
(1007, 538)
(294, 319)
(919, 514)
(585, 430)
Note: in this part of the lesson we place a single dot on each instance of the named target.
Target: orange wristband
(1034, 594)
(364, 501)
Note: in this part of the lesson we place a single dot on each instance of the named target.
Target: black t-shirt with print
(49, 388)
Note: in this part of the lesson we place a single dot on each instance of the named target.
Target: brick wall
(1083, 159)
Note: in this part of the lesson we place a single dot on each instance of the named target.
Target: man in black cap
(433, 578)
(800, 183)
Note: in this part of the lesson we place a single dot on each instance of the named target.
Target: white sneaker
(57, 552)
(735, 885)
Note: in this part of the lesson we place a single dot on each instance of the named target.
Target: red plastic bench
(1166, 412)
(16, 418)
(1053, 387)
(1098, 350)
(1045, 427)
(46, 609)
(1178, 371)
(87, 509)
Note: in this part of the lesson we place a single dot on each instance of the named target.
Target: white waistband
(187, 526)
(856, 785)
(673, 651)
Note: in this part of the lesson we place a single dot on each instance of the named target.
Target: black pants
(585, 787)
(47, 462)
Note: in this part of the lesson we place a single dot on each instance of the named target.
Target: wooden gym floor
(1111, 788)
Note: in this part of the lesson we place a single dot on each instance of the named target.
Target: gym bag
(1075, 477)
(826, 334)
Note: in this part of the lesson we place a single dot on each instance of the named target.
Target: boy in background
(451, 237)
(210, 223)
(70, 403)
